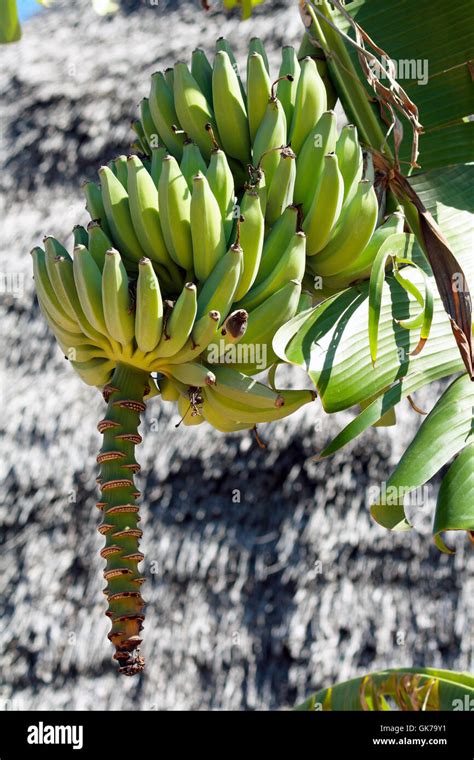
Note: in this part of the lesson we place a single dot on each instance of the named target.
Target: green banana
(192, 162)
(238, 387)
(117, 209)
(95, 371)
(201, 70)
(349, 156)
(162, 107)
(242, 412)
(118, 315)
(252, 232)
(157, 156)
(95, 204)
(207, 229)
(326, 206)
(223, 44)
(281, 191)
(175, 213)
(320, 141)
(271, 135)
(53, 249)
(99, 243)
(45, 291)
(360, 269)
(310, 103)
(141, 143)
(277, 241)
(286, 89)
(222, 422)
(169, 77)
(263, 323)
(80, 235)
(192, 108)
(229, 108)
(190, 411)
(218, 291)
(168, 389)
(148, 308)
(144, 212)
(221, 183)
(259, 91)
(66, 273)
(352, 233)
(88, 280)
(120, 170)
(204, 332)
(192, 374)
(291, 266)
(256, 46)
(149, 127)
(179, 323)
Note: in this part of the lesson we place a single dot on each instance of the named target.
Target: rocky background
(252, 603)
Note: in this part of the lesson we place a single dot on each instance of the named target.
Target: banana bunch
(189, 309)
(281, 134)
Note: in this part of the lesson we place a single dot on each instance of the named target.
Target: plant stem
(124, 396)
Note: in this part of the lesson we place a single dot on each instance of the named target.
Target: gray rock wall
(254, 604)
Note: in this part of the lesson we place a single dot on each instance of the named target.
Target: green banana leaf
(454, 508)
(431, 45)
(444, 433)
(401, 688)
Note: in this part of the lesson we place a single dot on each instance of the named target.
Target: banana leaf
(444, 433)
(412, 689)
(454, 508)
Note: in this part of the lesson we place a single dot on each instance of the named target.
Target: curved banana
(229, 108)
(45, 291)
(53, 249)
(352, 233)
(259, 91)
(117, 209)
(291, 266)
(320, 141)
(271, 135)
(207, 228)
(326, 206)
(223, 44)
(243, 412)
(88, 280)
(310, 103)
(163, 111)
(179, 323)
(286, 89)
(277, 241)
(245, 390)
(192, 108)
(201, 70)
(362, 266)
(99, 242)
(191, 373)
(219, 421)
(221, 182)
(204, 332)
(95, 204)
(145, 215)
(118, 315)
(95, 371)
(151, 133)
(251, 234)
(349, 156)
(148, 308)
(192, 162)
(175, 213)
(280, 194)
(218, 291)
